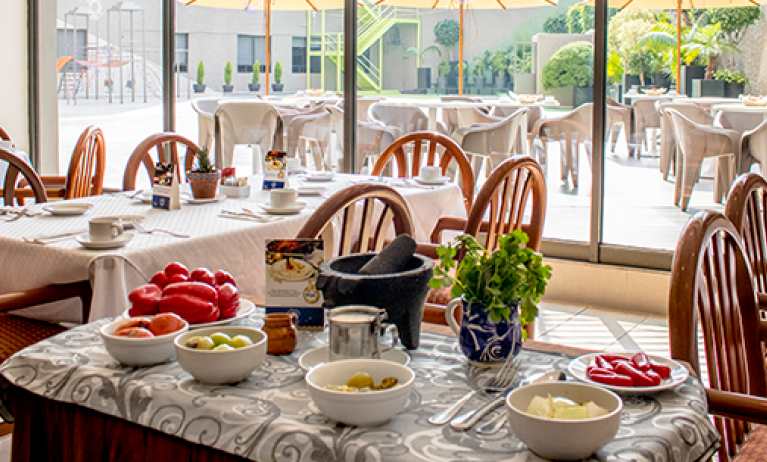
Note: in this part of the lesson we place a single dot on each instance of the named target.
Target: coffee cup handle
(450, 315)
(394, 337)
(294, 319)
(117, 230)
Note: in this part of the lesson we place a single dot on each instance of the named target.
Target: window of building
(299, 57)
(182, 52)
(250, 48)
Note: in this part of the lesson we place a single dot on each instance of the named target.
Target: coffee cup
(430, 173)
(355, 332)
(284, 197)
(105, 229)
(293, 163)
(6, 144)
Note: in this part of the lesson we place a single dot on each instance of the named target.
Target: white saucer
(319, 355)
(218, 198)
(310, 190)
(320, 176)
(288, 210)
(435, 181)
(68, 208)
(144, 199)
(126, 220)
(85, 241)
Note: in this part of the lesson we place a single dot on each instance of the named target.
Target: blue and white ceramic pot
(481, 339)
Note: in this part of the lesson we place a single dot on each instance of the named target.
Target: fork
(140, 228)
(497, 384)
(19, 214)
(467, 420)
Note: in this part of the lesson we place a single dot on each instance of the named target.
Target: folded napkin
(41, 238)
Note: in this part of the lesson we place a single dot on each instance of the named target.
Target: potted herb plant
(228, 87)
(734, 82)
(199, 87)
(254, 85)
(477, 69)
(277, 85)
(204, 178)
(499, 291)
(424, 73)
(500, 65)
(444, 70)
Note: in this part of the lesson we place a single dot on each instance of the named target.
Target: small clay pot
(204, 185)
(280, 329)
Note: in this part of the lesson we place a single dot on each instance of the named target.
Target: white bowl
(218, 367)
(560, 439)
(139, 351)
(365, 408)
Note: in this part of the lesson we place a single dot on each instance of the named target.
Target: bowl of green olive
(222, 354)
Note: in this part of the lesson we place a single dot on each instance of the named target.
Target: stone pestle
(393, 258)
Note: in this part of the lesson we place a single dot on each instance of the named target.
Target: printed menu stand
(275, 171)
(165, 187)
(292, 268)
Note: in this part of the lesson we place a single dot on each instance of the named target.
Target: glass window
(182, 52)
(299, 55)
(250, 48)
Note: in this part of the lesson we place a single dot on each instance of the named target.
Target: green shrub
(731, 77)
(200, 73)
(447, 32)
(444, 68)
(500, 62)
(570, 65)
(277, 72)
(573, 19)
(256, 72)
(228, 73)
(555, 24)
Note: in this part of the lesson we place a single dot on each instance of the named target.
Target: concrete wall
(13, 77)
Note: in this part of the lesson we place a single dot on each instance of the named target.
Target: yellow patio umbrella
(679, 5)
(267, 6)
(462, 6)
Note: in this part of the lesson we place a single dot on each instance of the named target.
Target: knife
(469, 419)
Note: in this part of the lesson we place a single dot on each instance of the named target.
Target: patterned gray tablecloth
(271, 416)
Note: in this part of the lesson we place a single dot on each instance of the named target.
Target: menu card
(292, 268)
(165, 187)
(275, 170)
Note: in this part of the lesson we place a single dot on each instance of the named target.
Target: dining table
(739, 107)
(73, 401)
(216, 240)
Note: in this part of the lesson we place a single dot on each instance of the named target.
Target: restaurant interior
(517, 230)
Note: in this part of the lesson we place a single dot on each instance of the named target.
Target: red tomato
(203, 275)
(176, 268)
(134, 332)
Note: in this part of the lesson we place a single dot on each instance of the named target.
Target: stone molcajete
(402, 293)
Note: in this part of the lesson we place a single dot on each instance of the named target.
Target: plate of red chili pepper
(628, 372)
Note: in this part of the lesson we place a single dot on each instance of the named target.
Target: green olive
(361, 380)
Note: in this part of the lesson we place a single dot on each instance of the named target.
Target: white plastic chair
(372, 138)
(406, 119)
(256, 123)
(618, 117)
(668, 138)
(753, 148)
(571, 130)
(206, 120)
(645, 118)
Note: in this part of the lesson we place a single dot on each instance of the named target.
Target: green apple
(223, 347)
(220, 338)
(239, 341)
(200, 343)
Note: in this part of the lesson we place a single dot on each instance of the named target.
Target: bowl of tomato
(143, 341)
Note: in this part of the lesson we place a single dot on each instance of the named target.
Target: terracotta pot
(280, 329)
(204, 185)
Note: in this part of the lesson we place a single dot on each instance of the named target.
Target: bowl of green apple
(220, 355)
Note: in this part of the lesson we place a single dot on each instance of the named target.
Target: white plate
(126, 220)
(437, 181)
(319, 177)
(310, 191)
(64, 208)
(288, 210)
(319, 355)
(301, 271)
(85, 241)
(218, 198)
(679, 374)
(245, 309)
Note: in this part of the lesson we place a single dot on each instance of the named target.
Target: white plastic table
(739, 107)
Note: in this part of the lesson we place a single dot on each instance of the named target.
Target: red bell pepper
(176, 278)
(176, 268)
(611, 378)
(640, 378)
(160, 279)
(641, 361)
(203, 275)
(145, 300)
(228, 300)
(661, 369)
(194, 301)
(222, 277)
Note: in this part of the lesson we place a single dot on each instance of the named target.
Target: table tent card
(275, 170)
(165, 187)
(292, 268)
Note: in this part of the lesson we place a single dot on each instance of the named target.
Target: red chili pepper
(194, 309)
(160, 279)
(661, 369)
(654, 376)
(610, 358)
(203, 275)
(228, 300)
(640, 378)
(641, 361)
(145, 300)
(176, 268)
(222, 277)
(611, 378)
(603, 363)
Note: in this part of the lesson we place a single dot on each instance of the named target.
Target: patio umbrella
(462, 6)
(268, 6)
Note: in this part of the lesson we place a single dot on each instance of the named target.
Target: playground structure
(98, 59)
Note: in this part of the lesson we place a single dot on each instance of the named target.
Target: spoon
(497, 422)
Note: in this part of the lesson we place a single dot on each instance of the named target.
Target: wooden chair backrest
(746, 208)
(141, 155)
(500, 205)
(711, 284)
(4, 135)
(431, 140)
(18, 165)
(86, 168)
(361, 235)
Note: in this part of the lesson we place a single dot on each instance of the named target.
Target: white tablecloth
(217, 243)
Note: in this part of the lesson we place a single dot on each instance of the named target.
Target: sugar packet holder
(166, 193)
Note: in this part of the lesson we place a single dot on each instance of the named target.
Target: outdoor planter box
(733, 90)
(707, 87)
(424, 77)
(615, 92)
(688, 74)
(582, 95)
(524, 84)
(630, 80)
(661, 80)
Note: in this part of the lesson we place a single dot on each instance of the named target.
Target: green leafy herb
(203, 161)
(511, 272)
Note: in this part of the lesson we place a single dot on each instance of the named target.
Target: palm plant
(707, 43)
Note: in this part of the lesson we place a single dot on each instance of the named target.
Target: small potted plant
(254, 85)
(199, 87)
(444, 69)
(500, 65)
(204, 178)
(277, 85)
(228, 87)
(499, 291)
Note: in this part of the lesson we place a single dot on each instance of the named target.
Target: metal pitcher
(355, 332)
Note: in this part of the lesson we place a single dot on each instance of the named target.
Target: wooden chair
(431, 141)
(5, 136)
(142, 155)
(18, 165)
(513, 197)
(86, 170)
(360, 234)
(711, 285)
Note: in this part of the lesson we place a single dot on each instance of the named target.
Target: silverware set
(17, 212)
(247, 214)
(141, 229)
